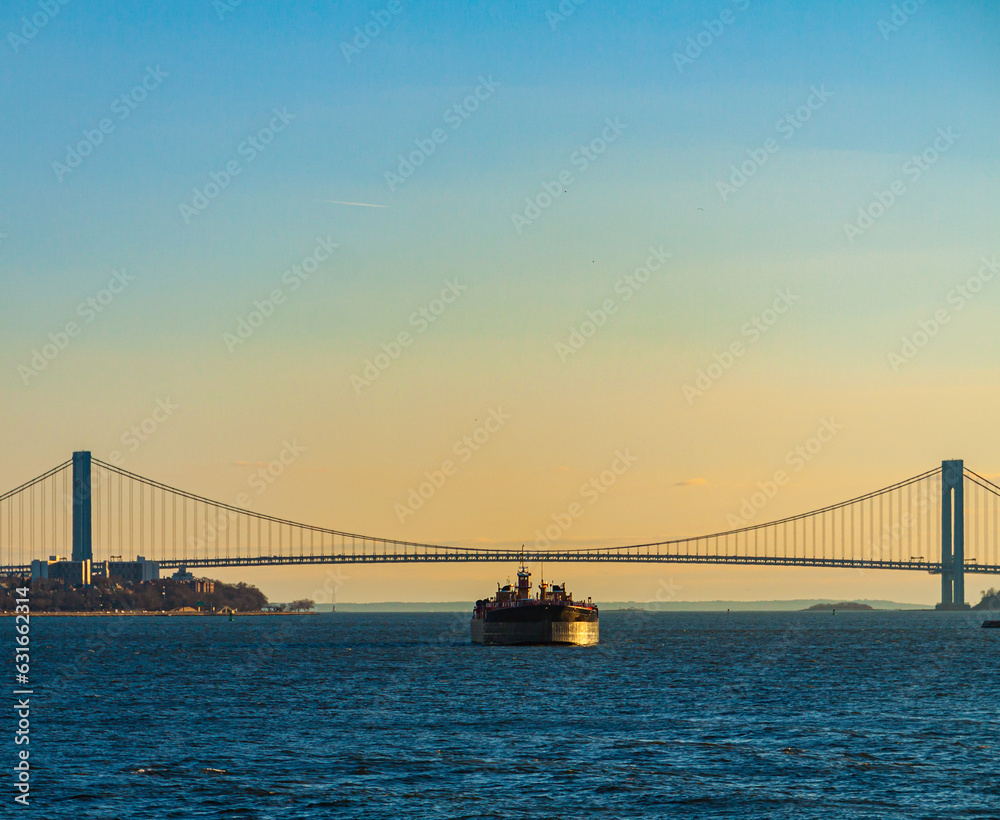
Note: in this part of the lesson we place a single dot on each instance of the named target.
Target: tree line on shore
(991, 600)
(111, 594)
(302, 605)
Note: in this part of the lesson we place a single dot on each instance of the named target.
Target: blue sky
(655, 185)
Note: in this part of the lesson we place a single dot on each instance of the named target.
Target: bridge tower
(83, 549)
(952, 536)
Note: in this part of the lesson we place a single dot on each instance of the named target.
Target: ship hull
(537, 624)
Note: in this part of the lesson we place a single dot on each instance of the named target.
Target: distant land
(847, 606)
(610, 606)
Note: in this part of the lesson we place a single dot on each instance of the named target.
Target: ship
(516, 617)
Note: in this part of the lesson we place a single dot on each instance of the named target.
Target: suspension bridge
(944, 521)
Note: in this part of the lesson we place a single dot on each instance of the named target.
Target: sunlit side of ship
(515, 616)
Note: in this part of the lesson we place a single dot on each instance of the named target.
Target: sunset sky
(815, 184)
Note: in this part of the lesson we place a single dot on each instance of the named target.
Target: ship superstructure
(516, 616)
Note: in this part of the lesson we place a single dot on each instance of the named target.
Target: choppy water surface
(875, 715)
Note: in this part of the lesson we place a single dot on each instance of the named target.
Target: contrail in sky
(359, 204)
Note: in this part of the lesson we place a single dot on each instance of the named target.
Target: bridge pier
(83, 549)
(952, 536)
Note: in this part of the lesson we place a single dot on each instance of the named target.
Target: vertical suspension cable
(110, 524)
(131, 520)
(991, 538)
(831, 550)
(853, 533)
(42, 511)
(65, 532)
(881, 524)
(925, 540)
(142, 519)
(842, 535)
(910, 518)
(121, 520)
(890, 525)
(55, 510)
(976, 510)
(95, 505)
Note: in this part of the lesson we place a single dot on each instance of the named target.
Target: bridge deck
(549, 556)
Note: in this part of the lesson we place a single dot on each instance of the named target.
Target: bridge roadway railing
(569, 556)
(615, 556)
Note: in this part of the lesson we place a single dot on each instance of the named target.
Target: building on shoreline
(202, 586)
(71, 573)
(134, 572)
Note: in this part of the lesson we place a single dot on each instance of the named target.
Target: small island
(990, 600)
(845, 605)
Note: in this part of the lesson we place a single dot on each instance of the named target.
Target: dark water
(874, 715)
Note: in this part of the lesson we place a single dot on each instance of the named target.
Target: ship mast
(523, 580)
